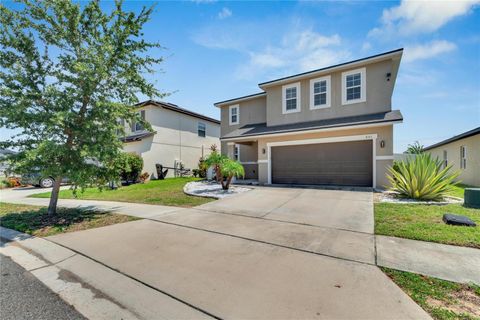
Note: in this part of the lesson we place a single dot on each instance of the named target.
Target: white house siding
(176, 139)
(470, 175)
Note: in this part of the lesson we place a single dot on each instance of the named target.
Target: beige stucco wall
(470, 175)
(176, 140)
(378, 96)
(251, 111)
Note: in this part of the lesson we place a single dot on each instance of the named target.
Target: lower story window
(463, 157)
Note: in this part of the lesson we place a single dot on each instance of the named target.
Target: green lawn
(444, 300)
(34, 220)
(424, 222)
(167, 192)
(458, 190)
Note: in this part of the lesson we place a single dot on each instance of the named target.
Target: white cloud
(225, 13)
(204, 1)
(296, 52)
(414, 16)
(366, 46)
(428, 50)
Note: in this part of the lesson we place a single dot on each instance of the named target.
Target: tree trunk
(52, 206)
(218, 174)
(227, 184)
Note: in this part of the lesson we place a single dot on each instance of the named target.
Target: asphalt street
(22, 296)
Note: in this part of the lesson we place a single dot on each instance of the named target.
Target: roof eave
(461, 136)
(359, 62)
(328, 128)
(239, 99)
(176, 109)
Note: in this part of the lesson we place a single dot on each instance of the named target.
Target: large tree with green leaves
(68, 72)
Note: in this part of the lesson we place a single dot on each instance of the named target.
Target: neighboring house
(331, 126)
(179, 136)
(4, 165)
(463, 153)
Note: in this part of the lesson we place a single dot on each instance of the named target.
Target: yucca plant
(422, 178)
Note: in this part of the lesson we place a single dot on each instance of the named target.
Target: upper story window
(201, 129)
(463, 157)
(320, 93)
(291, 98)
(137, 126)
(354, 86)
(234, 114)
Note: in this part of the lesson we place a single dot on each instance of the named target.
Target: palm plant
(215, 160)
(422, 178)
(415, 148)
(225, 168)
(230, 169)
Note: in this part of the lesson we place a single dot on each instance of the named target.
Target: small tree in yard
(230, 169)
(215, 160)
(68, 73)
(225, 168)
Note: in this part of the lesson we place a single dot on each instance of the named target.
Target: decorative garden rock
(458, 220)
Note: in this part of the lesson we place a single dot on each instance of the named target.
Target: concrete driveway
(346, 210)
(271, 253)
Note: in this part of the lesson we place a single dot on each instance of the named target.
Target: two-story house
(331, 126)
(179, 136)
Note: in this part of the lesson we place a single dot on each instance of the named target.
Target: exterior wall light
(382, 144)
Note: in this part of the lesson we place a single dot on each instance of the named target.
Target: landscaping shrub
(144, 177)
(10, 182)
(225, 168)
(131, 165)
(201, 172)
(421, 178)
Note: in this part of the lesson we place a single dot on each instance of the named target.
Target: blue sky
(219, 50)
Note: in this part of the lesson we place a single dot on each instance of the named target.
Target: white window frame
(230, 108)
(463, 157)
(328, 81)
(284, 98)
(204, 129)
(236, 152)
(143, 115)
(363, 86)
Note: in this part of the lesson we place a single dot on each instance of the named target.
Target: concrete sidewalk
(445, 262)
(140, 210)
(459, 264)
(236, 278)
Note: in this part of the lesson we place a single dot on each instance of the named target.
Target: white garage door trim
(372, 137)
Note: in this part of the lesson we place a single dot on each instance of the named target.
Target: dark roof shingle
(174, 107)
(263, 129)
(455, 138)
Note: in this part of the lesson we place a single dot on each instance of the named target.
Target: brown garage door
(339, 163)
